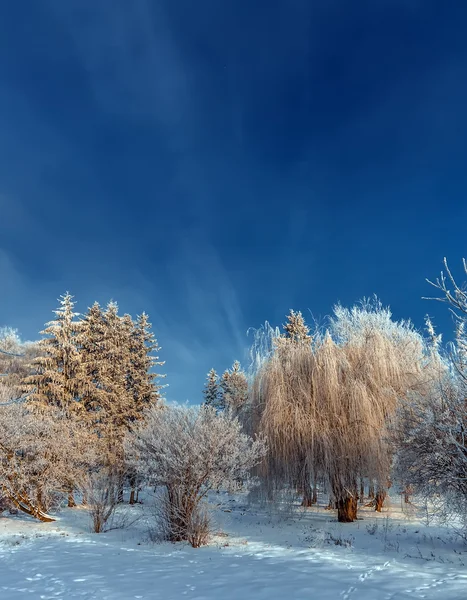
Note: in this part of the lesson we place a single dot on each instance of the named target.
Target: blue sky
(218, 163)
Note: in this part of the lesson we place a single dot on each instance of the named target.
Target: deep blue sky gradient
(216, 163)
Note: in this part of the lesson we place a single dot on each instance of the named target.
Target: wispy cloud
(132, 61)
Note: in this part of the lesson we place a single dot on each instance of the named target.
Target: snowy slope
(263, 556)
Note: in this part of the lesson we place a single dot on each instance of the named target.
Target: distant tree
(212, 392)
(234, 386)
(296, 330)
(15, 362)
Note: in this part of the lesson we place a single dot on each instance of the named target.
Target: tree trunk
(40, 502)
(408, 491)
(314, 495)
(371, 491)
(307, 497)
(23, 503)
(347, 509)
(71, 499)
(120, 493)
(379, 500)
(132, 496)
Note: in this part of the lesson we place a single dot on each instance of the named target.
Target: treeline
(342, 413)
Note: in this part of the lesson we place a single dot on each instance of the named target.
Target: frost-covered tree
(56, 371)
(16, 357)
(118, 361)
(142, 380)
(212, 392)
(190, 451)
(431, 432)
(329, 403)
(234, 388)
(41, 452)
(295, 329)
(55, 379)
(119, 382)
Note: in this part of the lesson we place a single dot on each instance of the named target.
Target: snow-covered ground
(259, 555)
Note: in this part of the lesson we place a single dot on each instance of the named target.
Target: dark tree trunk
(347, 509)
(71, 499)
(23, 503)
(307, 498)
(133, 490)
(379, 500)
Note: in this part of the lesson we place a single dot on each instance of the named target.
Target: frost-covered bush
(432, 428)
(42, 455)
(190, 451)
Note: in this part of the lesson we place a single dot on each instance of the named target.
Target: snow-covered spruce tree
(142, 380)
(55, 379)
(56, 376)
(234, 388)
(190, 451)
(212, 393)
(296, 331)
(118, 382)
(331, 401)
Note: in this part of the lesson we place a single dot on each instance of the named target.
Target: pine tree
(234, 386)
(117, 362)
(296, 330)
(212, 392)
(141, 379)
(104, 344)
(55, 382)
(56, 377)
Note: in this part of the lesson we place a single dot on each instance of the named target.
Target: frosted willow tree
(328, 403)
(296, 334)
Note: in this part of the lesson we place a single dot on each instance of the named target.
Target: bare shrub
(102, 492)
(190, 451)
